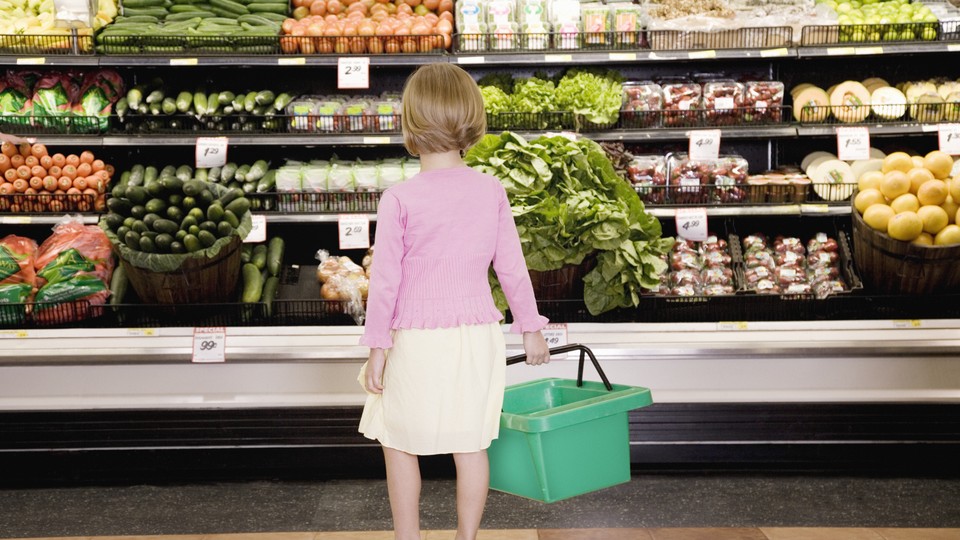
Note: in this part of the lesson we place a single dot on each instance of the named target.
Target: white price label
(353, 72)
(853, 143)
(38, 61)
(298, 61)
(949, 135)
(724, 103)
(471, 60)
(692, 223)
(211, 152)
(258, 233)
(209, 345)
(705, 145)
(184, 62)
(354, 231)
(732, 325)
(911, 323)
(18, 334)
(555, 334)
(142, 332)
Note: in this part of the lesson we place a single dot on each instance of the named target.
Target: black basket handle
(584, 352)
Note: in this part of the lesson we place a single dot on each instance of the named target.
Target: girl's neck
(442, 160)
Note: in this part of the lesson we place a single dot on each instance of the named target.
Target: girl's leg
(403, 486)
(473, 481)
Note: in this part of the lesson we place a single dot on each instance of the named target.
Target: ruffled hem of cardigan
(445, 312)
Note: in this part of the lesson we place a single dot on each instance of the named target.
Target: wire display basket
(740, 38)
(511, 42)
(304, 202)
(868, 33)
(47, 203)
(54, 124)
(929, 110)
(45, 45)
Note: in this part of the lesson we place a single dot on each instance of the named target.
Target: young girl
(436, 370)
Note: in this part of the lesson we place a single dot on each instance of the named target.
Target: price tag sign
(258, 233)
(353, 72)
(354, 231)
(705, 145)
(949, 135)
(853, 143)
(913, 323)
(38, 61)
(692, 223)
(209, 345)
(555, 334)
(211, 152)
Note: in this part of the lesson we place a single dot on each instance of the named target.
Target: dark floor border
(56, 447)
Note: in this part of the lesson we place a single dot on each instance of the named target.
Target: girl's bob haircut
(442, 110)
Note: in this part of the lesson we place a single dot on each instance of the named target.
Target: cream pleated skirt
(442, 390)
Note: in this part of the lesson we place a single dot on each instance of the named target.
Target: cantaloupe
(850, 102)
(833, 180)
(811, 105)
(888, 103)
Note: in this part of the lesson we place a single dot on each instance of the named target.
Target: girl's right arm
(384, 273)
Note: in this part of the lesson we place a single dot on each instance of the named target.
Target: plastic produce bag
(68, 263)
(13, 296)
(17, 255)
(13, 98)
(89, 240)
(53, 95)
(343, 280)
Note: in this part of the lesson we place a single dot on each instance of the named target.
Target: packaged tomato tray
(698, 269)
(706, 181)
(786, 265)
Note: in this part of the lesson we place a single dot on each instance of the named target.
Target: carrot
(15, 208)
(46, 162)
(70, 171)
(37, 170)
(25, 149)
(10, 175)
(84, 169)
(4, 162)
(36, 182)
(50, 183)
(8, 148)
(38, 150)
(31, 161)
(16, 160)
(64, 183)
(73, 159)
(6, 188)
(97, 165)
(20, 185)
(56, 206)
(54, 171)
(59, 160)
(23, 172)
(80, 182)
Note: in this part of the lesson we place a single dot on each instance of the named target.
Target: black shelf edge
(305, 139)
(868, 49)
(34, 60)
(899, 128)
(405, 60)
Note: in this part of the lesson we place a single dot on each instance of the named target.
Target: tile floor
(763, 533)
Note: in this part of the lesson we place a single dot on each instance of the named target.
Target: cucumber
(227, 172)
(250, 101)
(241, 174)
(150, 175)
(252, 284)
(269, 293)
(231, 218)
(192, 243)
(156, 206)
(119, 206)
(113, 221)
(201, 174)
(184, 101)
(257, 171)
(184, 173)
(149, 219)
(140, 227)
(199, 104)
(275, 249)
(175, 214)
(268, 183)
(134, 96)
(215, 212)
(192, 188)
(132, 240)
(224, 229)
(147, 245)
(206, 238)
(169, 170)
(264, 97)
(282, 101)
(246, 251)
(155, 97)
(213, 175)
(172, 183)
(118, 285)
(165, 226)
(169, 106)
(187, 222)
(206, 196)
(136, 194)
(136, 175)
(141, 3)
(121, 107)
(157, 12)
(163, 242)
(213, 103)
(227, 97)
(259, 257)
(177, 247)
(239, 206)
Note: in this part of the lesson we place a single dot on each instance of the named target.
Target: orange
(897, 161)
(905, 226)
(934, 218)
(877, 216)
(918, 176)
(939, 163)
(932, 192)
(907, 202)
(867, 198)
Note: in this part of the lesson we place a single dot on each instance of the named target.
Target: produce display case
(740, 38)
(46, 45)
(189, 45)
(868, 33)
(867, 114)
(46, 203)
(49, 124)
(549, 41)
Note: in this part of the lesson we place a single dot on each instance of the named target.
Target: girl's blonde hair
(442, 110)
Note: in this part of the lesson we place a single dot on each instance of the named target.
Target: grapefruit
(934, 218)
(894, 184)
(869, 179)
(905, 226)
(867, 198)
(905, 203)
(917, 161)
(939, 163)
(954, 188)
(948, 236)
(925, 239)
(918, 176)
(951, 208)
(877, 217)
(897, 161)
(932, 192)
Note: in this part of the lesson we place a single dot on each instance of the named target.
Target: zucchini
(141, 3)
(261, 7)
(275, 17)
(134, 96)
(193, 13)
(227, 172)
(250, 101)
(121, 107)
(275, 249)
(132, 20)
(259, 257)
(269, 293)
(213, 103)
(256, 20)
(241, 174)
(252, 284)
(157, 12)
(136, 175)
(169, 105)
(231, 6)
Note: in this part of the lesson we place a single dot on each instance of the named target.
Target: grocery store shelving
(43, 219)
(894, 128)
(310, 218)
(807, 209)
(277, 139)
(916, 47)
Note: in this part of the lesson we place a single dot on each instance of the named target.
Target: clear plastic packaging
(626, 21)
(340, 178)
(722, 101)
(314, 177)
(642, 103)
(595, 19)
(701, 182)
(391, 173)
(648, 175)
(366, 176)
(355, 115)
(343, 280)
(681, 103)
(326, 116)
(763, 101)
(302, 113)
(387, 115)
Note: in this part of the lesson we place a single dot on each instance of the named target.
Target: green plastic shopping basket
(560, 438)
